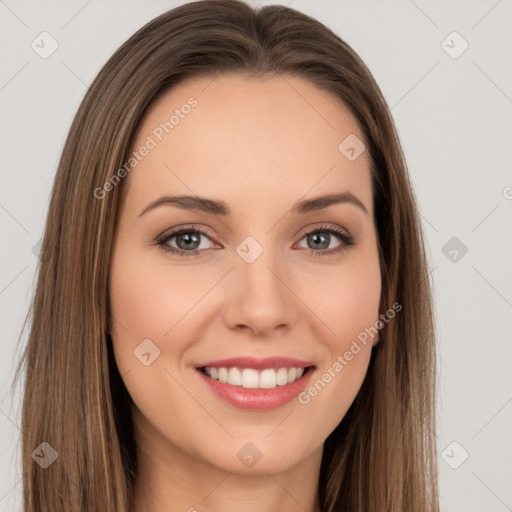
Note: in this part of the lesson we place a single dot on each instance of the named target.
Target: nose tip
(259, 299)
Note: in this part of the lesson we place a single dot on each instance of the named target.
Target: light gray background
(454, 118)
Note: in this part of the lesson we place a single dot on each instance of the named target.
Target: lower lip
(258, 399)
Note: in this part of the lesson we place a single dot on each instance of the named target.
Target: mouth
(262, 388)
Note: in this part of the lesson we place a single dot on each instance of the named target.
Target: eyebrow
(221, 208)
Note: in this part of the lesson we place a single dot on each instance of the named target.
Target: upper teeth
(251, 378)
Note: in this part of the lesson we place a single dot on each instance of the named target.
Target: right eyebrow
(190, 203)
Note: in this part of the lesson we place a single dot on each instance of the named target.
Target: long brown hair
(382, 456)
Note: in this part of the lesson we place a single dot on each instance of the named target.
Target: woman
(200, 350)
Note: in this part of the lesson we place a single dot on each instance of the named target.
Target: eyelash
(347, 241)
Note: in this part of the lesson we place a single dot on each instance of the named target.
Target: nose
(260, 297)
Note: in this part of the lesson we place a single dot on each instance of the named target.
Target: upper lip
(257, 364)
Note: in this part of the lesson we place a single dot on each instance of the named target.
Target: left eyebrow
(321, 202)
(221, 208)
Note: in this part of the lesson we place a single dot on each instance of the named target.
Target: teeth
(268, 379)
(223, 375)
(234, 377)
(252, 379)
(282, 376)
(249, 378)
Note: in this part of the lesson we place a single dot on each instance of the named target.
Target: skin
(260, 145)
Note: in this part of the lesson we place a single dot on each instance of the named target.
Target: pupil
(189, 239)
(322, 239)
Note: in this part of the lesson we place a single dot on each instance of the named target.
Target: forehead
(241, 138)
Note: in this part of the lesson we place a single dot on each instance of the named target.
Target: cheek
(345, 306)
(148, 300)
(356, 306)
(346, 300)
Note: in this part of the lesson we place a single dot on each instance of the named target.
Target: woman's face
(260, 277)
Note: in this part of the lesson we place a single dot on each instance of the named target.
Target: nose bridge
(259, 297)
(258, 275)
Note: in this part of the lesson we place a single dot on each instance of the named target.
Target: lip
(258, 399)
(257, 364)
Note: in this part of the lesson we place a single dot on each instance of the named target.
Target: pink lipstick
(257, 384)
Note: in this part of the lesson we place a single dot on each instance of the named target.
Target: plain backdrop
(453, 109)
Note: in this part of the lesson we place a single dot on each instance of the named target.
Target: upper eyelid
(174, 232)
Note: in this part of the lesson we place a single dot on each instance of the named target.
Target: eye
(187, 241)
(321, 238)
(184, 241)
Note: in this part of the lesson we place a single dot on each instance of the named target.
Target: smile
(248, 383)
